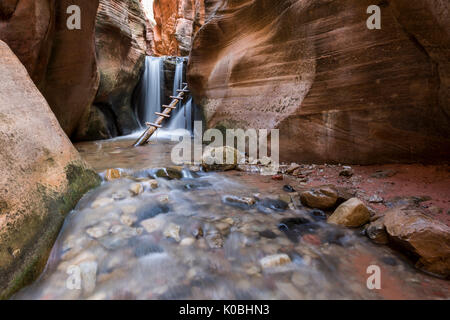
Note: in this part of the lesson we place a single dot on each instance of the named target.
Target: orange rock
(313, 70)
(112, 174)
(426, 238)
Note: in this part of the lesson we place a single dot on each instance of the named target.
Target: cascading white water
(178, 79)
(183, 119)
(152, 82)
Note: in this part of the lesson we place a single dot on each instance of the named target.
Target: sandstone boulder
(220, 159)
(322, 198)
(41, 176)
(424, 237)
(351, 213)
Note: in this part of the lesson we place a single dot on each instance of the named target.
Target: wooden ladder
(152, 127)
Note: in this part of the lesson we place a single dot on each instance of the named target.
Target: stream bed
(209, 236)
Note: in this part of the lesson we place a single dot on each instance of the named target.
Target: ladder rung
(162, 114)
(184, 84)
(149, 124)
(184, 91)
(170, 107)
(178, 98)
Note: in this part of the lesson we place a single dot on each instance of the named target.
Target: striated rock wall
(42, 176)
(61, 62)
(120, 40)
(337, 91)
(87, 75)
(177, 21)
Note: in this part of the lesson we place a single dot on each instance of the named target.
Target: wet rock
(268, 234)
(317, 215)
(163, 199)
(297, 227)
(376, 232)
(98, 231)
(136, 189)
(322, 198)
(214, 240)
(152, 184)
(186, 242)
(220, 159)
(151, 211)
(352, 213)
(170, 173)
(346, 172)
(153, 224)
(427, 239)
(376, 199)
(285, 198)
(269, 206)
(197, 232)
(173, 232)
(112, 174)
(128, 219)
(288, 188)
(101, 202)
(241, 202)
(275, 260)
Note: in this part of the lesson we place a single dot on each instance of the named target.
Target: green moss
(40, 235)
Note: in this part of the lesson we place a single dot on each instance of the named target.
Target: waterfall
(183, 118)
(178, 79)
(152, 84)
(152, 95)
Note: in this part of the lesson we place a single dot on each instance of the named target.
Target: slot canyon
(95, 203)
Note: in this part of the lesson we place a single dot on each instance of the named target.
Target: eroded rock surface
(337, 91)
(120, 48)
(42, 176)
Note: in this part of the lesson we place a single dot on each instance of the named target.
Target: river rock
(42, 176)
(102, 202)
(214, 240)
(186, 242)
(376, 232)
(173, 231)
(275, 260)
(220, 159)
(136, 189)
(423, 236)
(153, 224)
(112, 174)
(352, 213)
(322, 198)
(170, 173)
(245, 202)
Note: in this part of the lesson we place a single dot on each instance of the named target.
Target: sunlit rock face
(175, 24)
(337, 91)
(120, 48)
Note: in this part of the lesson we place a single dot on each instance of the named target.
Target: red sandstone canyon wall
(177, 21)
(337, 91)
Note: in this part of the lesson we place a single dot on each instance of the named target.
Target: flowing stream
(192, 235)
